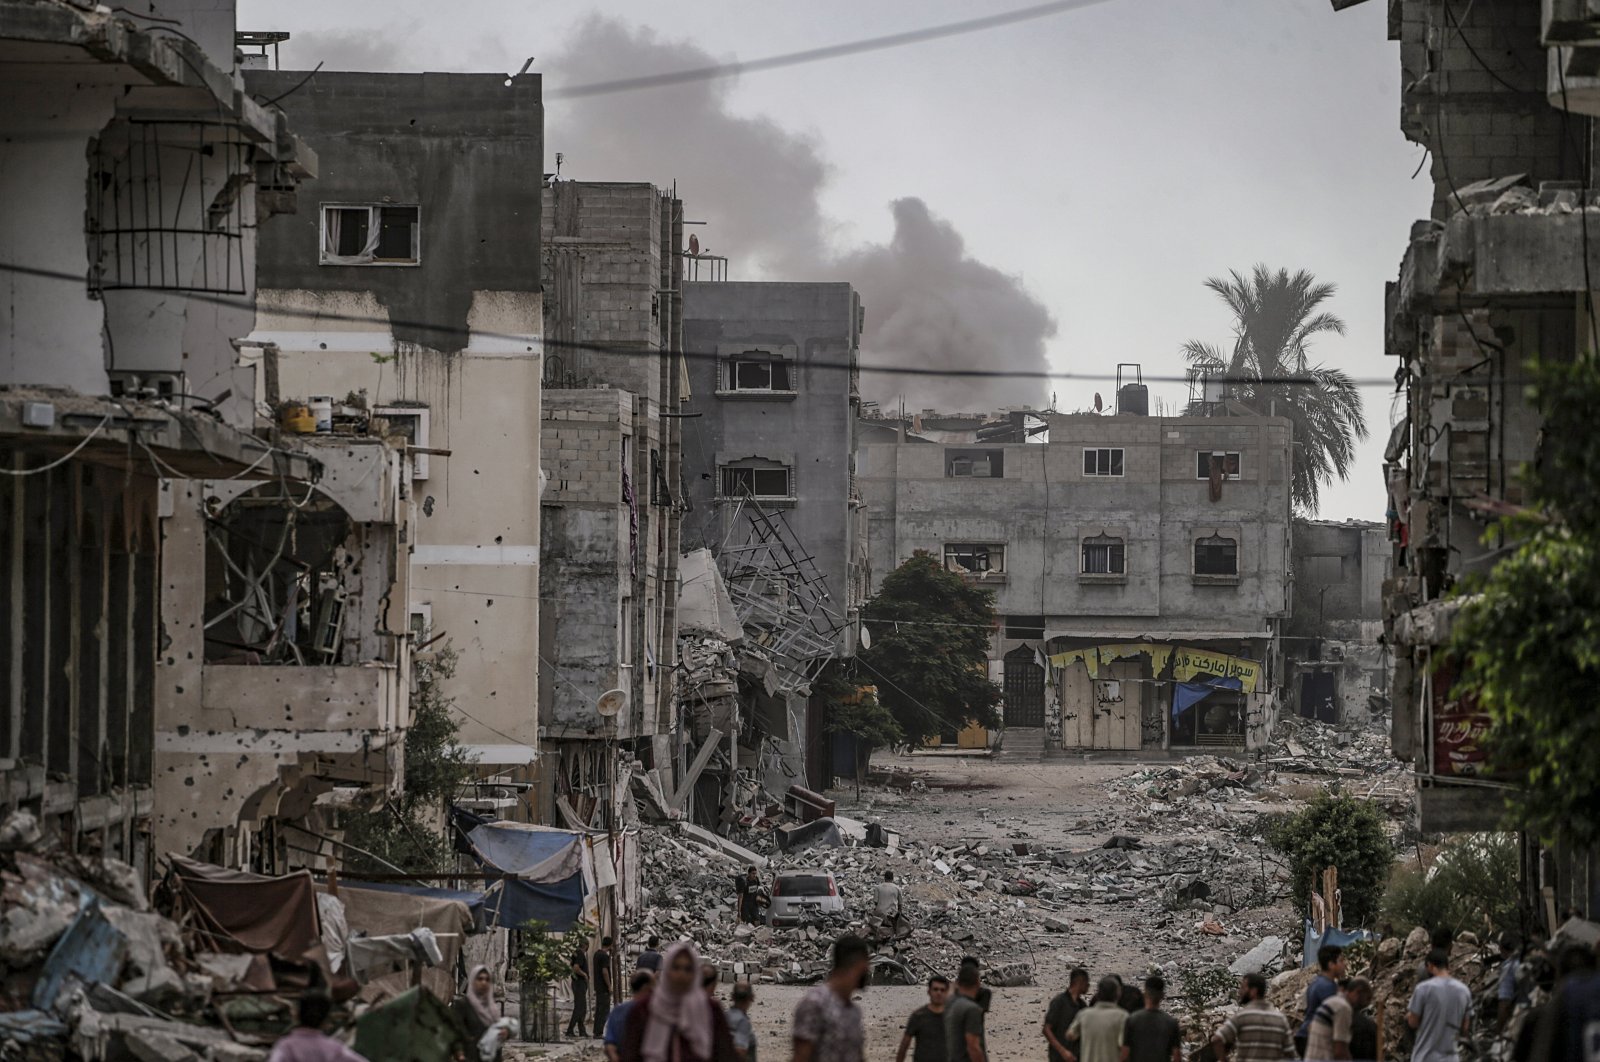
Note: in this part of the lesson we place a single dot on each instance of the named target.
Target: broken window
(978, 464)
(756, 481)
(756, 370)
(278, 566)
(969, 558)
(1216, 555)
(1225, 463)
(410, 423)
(1104, 555)
(375, 234)
(1029, 627)
(1102, 461)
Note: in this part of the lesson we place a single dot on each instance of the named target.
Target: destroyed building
(612, 505)
(406, 284)
(137, 173)
(1502, 94)
(1139, 564)
(769, 466)
(1337, 669)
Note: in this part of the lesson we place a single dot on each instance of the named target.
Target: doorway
(1023, 689)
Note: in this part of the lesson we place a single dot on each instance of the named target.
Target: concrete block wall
(581, 443)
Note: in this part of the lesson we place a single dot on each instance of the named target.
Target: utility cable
(827, 51)
(58, 462)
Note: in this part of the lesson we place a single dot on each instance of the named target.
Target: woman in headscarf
(677, 1021)
(475, 1007)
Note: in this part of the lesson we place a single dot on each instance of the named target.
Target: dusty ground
(1062, 804)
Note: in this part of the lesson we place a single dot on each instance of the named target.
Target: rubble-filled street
(1034, 868)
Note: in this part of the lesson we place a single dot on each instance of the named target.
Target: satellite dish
(1097, 404)
(866, 637)
(611, 702)
(694, 244)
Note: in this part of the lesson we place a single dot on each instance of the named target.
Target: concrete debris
(1258, 959)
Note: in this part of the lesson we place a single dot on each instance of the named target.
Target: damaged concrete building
(612, 506)
(137, 172)
(769, 465)
(406, 288)
(1139, 564)
(1337, 665)
(1503, 94)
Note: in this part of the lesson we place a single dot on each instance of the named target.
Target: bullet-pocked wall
(411, 272)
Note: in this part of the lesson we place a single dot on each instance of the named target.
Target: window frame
(723, 494)
(1116, 456)
(374, 218)
(1116, 548)
(728, 379)
(1205, 456)
(1214, 540)
(993, 455)
(419, 437)
(950, 549)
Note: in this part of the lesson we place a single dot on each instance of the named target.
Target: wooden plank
(703, 757)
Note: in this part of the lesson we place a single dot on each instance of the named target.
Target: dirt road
(1058, 804)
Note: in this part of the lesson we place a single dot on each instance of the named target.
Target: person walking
(602, 984)
(1508, 993)
(1330, 971)
(827, 1023)
(1363, 1029)
(925, 1027)
(577, 1025)
(751, 896)
(1258, 1032)
(1332, 1027)
(963, 1019)
(739, 1026)
(306, 1042)
(477, 1011)
(1440, 1011)
(1063, 1008)
(985, 993)
(1096, 1033)
(675, 1020)
(650, 957)
(617, 1023)
(1151, 1034)
(887, 902)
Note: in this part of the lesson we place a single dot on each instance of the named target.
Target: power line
(1043, 375)
(827, 51)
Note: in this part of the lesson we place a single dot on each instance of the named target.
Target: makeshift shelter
(549, 873)
(273, 919)
(389, 911)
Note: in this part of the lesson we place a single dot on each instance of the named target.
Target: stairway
(1023, 744)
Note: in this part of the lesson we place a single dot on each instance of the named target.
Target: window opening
(1224, 462)
(1216, 555)
(969, 558)
(977, 464)
(1104, 555)
(371, 235)
(1102, 461)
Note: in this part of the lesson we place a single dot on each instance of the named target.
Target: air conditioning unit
(125, 384)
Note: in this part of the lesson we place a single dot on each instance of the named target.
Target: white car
(798, 895)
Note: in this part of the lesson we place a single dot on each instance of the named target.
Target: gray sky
(1053, 192)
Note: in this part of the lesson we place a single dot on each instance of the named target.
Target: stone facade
(1092, 541)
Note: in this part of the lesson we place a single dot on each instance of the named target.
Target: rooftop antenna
(560, 158)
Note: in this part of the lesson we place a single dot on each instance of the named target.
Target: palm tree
(1275, 316)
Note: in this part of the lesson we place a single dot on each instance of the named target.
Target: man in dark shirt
(1363, 1030)
(1151, 1034)
(650, 957)
(1330, 971)
(602, 984)
(579, 967)
(964, 1039)
(925, 1027)
(1063, 1008)
(985, 993)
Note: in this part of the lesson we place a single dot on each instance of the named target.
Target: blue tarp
(544, 874)
(1186, 695)
(1342, 938)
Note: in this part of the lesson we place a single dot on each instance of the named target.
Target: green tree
(1269, 370)
(1340, 831)
(854, 709)
(409, 831)
(1528, 635)
(1472, 885)
(930, 649)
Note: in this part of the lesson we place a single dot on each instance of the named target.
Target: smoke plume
(758, 188)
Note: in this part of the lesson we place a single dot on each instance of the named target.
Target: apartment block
(1139, 564)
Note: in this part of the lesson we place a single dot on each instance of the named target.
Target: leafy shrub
(1471, 886)
(1336, 831)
